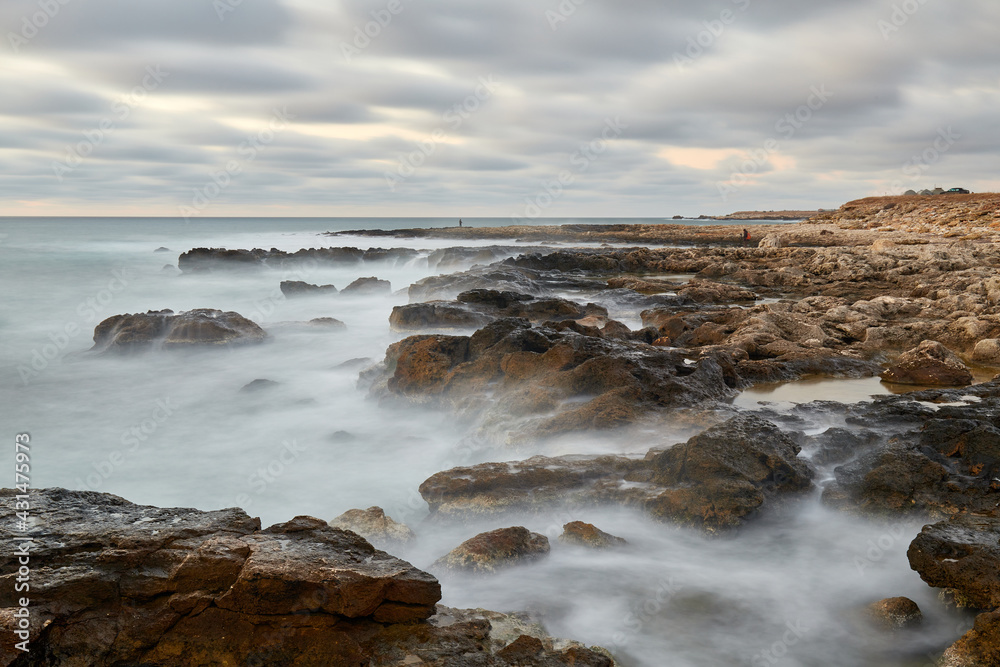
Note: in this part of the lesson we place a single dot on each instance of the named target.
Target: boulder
(961, 555)
(368, 286)
(203, 326)
(496, 549)
(894, 613)
(200, 587)
(588, 535)
(979, 647)
(929, 364)
(987, 352)
(716, 480)
(773, 241)
(296, 288)
(435, 314)
(373, 525)
(327, 323)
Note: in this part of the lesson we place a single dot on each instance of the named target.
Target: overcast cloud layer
(517, 108)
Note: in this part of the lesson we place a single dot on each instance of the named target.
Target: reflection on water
(815, 389)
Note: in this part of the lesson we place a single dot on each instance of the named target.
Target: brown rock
(930, 364)
(203, 326)
(979, 647)
(373, 525)
(589, 535)
(488, 552)
(987, 351)
(296, 288)
(895, 613)
(368, 286)
(962, 555)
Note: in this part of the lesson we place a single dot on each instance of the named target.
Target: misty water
(174, 429)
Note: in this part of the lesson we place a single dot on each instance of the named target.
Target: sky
(518, 109)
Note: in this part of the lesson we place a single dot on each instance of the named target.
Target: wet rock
(588, 535)
(980, 647)
(894, 613)
(512, 373)
(705, 291)
(496, 549)
(163, 328)
(368, 286)
(435, 314)
(718, 479)
(327, 323)
(257, 385)
(499, 299)
(373, 525)
(929, 364)
(476, 308)
(296, 288)
(647, 286)
(961, 555)
(202, 584)
(987, 352)
(837, 445)
(200, 260)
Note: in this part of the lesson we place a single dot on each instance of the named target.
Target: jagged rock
(589, 535)
(496, 549)
(297, 288)
(929, 364)
(201, 587)
(773, 241)
(716, 480)
(202, 326)
(894, 613)
(373, 525)
(513, 371)
(962, 555)
(368, 286)
(979, 647)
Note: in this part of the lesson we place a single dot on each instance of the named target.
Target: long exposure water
(173, 428)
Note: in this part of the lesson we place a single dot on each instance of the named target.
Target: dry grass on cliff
(951, 215)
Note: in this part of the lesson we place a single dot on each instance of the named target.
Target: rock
(200, 260)
(162, 249)
(980, 647)
(894, 613)
(716, 480)
(296, 288)
(163, 328)
(705, 291)
(368, 286)
(773, 241)
(499, 299)
(588, 535)
(961, 555)
(435, 314)
(259, 384)
(327, 323)
(929, 364)
(208, 584)
(987, 352)
(488, 552)
(373, 525)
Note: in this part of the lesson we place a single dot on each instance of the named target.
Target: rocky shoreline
(660, 324)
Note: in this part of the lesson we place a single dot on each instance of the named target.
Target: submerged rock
(477, 308)
(930, 364)
(202, 326)
(368, 286)
(716, 480)
(488, 552)
(588, 535)
(894, 613)
(260, 384)
(297, 288)
(373, 525)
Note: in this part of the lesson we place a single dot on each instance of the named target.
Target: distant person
(746, 236)
(460, 222)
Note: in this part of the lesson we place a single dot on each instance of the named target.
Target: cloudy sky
(516, 108)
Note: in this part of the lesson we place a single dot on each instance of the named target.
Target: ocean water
(174, 429)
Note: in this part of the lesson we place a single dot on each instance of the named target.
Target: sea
(178, 429)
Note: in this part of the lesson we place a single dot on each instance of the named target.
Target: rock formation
(203, 326)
